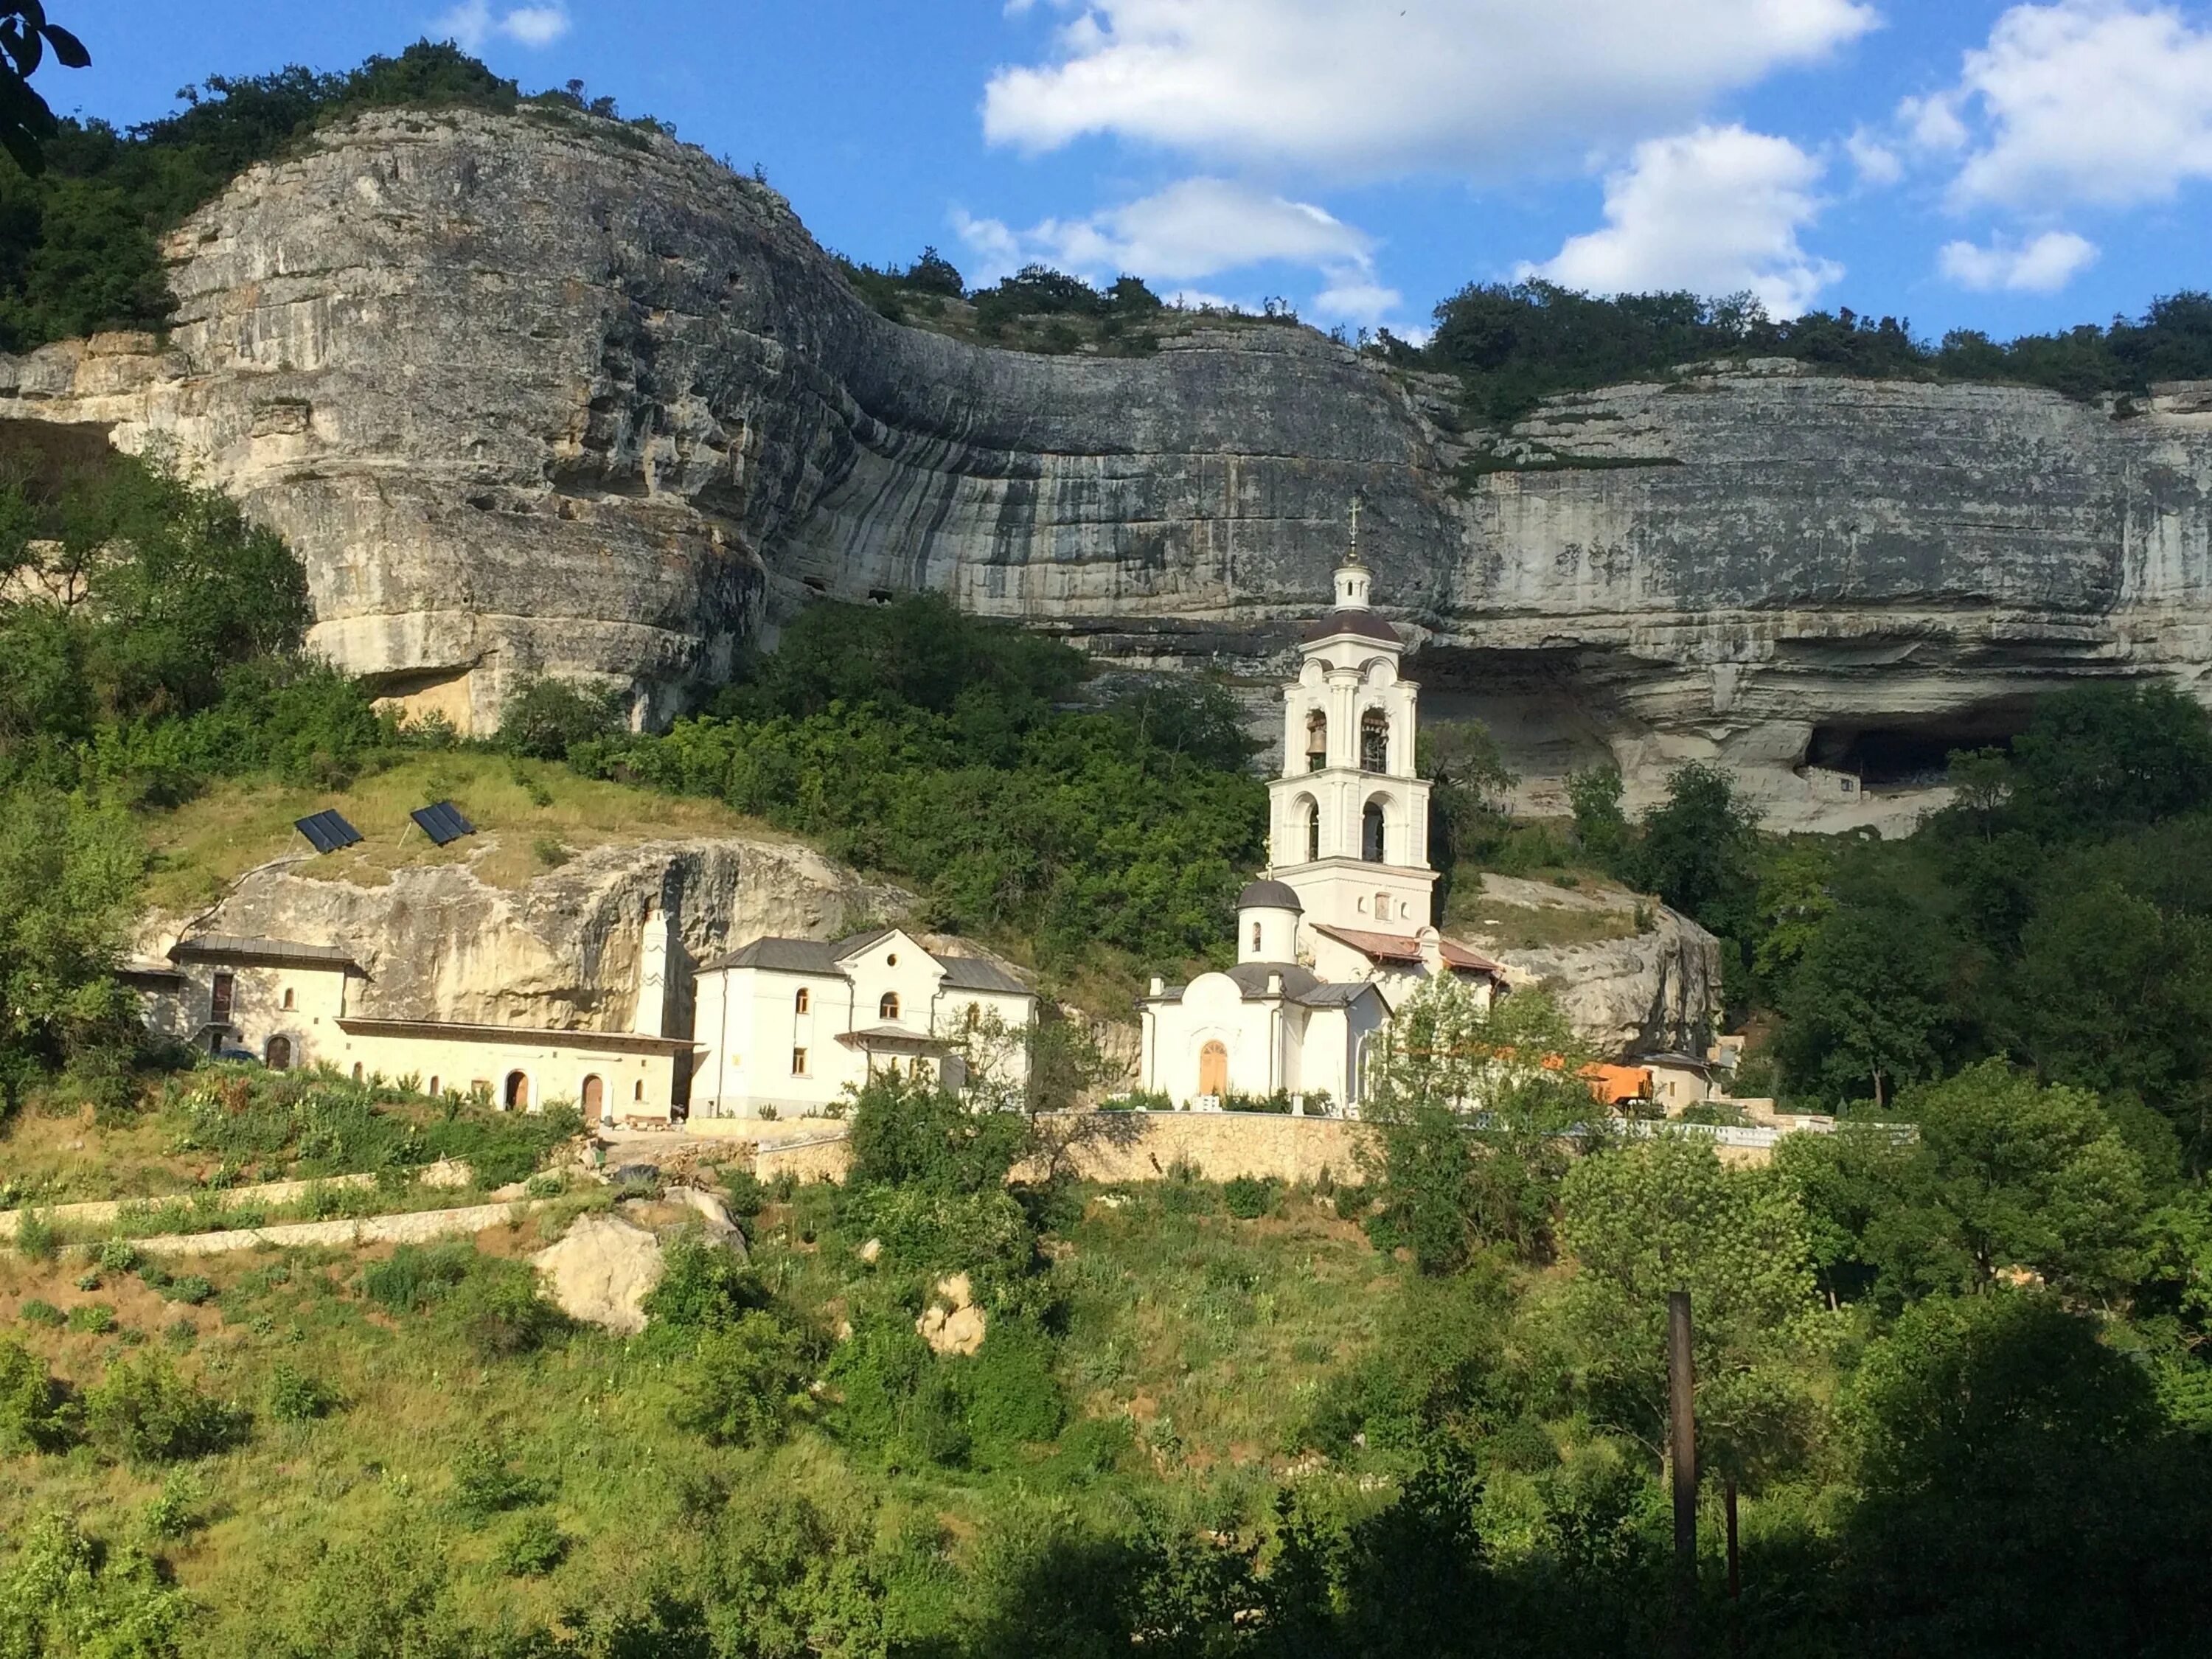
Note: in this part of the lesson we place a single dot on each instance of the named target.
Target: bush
(118, 1255)
(417, 1275)
(548, 718)
(746, 1383)
(702, 1287)
(141, 1412)
(498, 1312)
(292, 1396)
(1013, 1396)
(191, 1289)
(534, 1546)
(35, 1237)
(40, 1311)
(34, 1413)
(92, 1318)
(485, 1484)
(1248, 1198)
(175, 1511)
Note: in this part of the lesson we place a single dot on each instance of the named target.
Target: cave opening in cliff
(1915, 752)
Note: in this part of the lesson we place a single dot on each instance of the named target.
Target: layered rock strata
(540, 393)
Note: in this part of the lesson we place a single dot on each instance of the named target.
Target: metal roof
(852, 943)
(977, 974)
(1363, 624)
(1264, 895)
(230, 947)
(536, 1036)
(894, 1036)
(781, 956)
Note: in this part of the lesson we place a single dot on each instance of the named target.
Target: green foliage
(1011, 1395)
(70, 875)
(1698, 850)
(547, 718)
(37, 1310)
(702, 1287)
(914, 739)
(907, 1131)
(36, 1240)
(1866, 1005)
(485, 1483)
(64, 1596)
(1600, 826)
(141, 1412)
(1249, 1198)
(1453, 1075)
(533, 1547)
(1513, 344)
(416, 1277)
(34, 1409)
(292, 1396)
(92, 1318)
(1470, 782)
(746, 1383)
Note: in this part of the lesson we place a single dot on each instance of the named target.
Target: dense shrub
(34, 1414)
(141, 1412)
(486, 1483)
(416, 1277)
(746, 1381)
(1010, 1394)
(533, 1547)
(293, 1396)
(1248, 1198)
(702, 1287)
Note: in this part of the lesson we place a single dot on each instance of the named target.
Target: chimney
(652, 1015)
(1159, 985)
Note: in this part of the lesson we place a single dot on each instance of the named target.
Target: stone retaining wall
(1216, 1146)
(418, 1228)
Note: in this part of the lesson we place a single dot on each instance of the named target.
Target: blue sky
(1967, 164)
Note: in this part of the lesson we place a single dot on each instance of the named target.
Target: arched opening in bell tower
(1316, 741)
(1375, 741)
(1370, 833)
(1312, 816)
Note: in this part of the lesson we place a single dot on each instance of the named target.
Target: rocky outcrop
(542, 393)
(601, 1271)
(1657, 987)
(562, 952)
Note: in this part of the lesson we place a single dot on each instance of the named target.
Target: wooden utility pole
(1683, 1451)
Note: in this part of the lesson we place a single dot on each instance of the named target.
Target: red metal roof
(1405, 947)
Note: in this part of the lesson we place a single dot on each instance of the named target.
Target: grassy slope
(1209, 1334)
(235, 826)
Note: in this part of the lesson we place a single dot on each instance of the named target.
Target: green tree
(1698, 850)
(547, 718)
(2012, 1175)
(1793, 900)
(1866, 1006)
(1600, 826)
(907, 1131)
(1456, 1074)
(1662, 1214)
(64, 1595)
(26, 122)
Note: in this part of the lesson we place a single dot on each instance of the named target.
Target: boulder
(601, 1271)
(714, 1215)
(953, 1324)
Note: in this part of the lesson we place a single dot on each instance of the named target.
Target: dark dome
(1268, 895)
(1365, 623)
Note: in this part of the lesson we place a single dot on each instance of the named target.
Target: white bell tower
(1349, 819)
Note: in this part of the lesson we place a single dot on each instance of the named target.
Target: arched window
(1316, 741)
(888, 1008)
(637, 1090)
(1214, 1069)
(435, 1089)
(517, 1093)
(1256, 939)
(803, 1001)
(280, 1053)
(1370, 833)
(288, 996)
(1374, 741)
(1313, 830)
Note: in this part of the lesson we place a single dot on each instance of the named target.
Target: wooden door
(1214, 1069)
(594, 1094)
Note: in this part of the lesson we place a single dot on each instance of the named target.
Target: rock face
(601, 1271)
(561, 952)
(538, 393)
(1659, 988)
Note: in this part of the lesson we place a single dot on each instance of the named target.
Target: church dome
(1363, 624)
(1268, 895)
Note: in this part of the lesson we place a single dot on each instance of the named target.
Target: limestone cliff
(437, 943)
(538, 392)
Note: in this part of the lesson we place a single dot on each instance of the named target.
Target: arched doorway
(1214, 1069)
(516, 1095)
(1370, 833)
(593, 1094)
(280, 1053)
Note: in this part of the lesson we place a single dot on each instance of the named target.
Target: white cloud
(473, 25)
(1717, 210)
(2041, 266)
(1878, 163)
(1195, 228)
(2103, 103)
(1478, 87)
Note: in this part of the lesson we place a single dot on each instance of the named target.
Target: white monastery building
(1339, 930)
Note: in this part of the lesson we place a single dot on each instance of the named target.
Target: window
(802, 1002)
(799, 1062)
(1370, 833)
(219, 999)
(891, 961)
(888, 1008)
(1255, 938)
(637, 1089)
(435, 1089)
(1316, 741)
(1374, 741)
(1313, 830)
(288, 996)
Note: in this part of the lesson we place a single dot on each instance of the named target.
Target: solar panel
(327, 831)
(442, 822)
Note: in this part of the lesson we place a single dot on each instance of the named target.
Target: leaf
(67, 47)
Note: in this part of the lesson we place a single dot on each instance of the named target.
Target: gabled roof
(852, 943)
(1406, 948)
(281, 952)
(780, 955)
(1364, 624)
(976, 974)
(1300, 985)
(1339, 994)
(826, 958)
(528, 1036)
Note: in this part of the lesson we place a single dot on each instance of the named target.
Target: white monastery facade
(784, 1024)
(1339, 928)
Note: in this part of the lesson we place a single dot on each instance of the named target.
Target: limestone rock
(953, 1324)
(714, 1215)
(561, 952)
(601, 1271)
(1652, 990)
(538, 393)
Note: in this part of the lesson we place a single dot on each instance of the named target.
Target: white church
(1338, 931)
